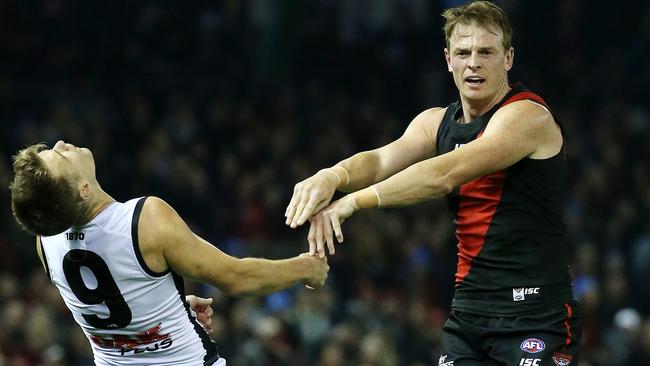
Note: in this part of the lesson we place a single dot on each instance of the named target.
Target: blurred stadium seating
(220, 107)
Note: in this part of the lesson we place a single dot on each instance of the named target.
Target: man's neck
(474, 109)
(100, 203)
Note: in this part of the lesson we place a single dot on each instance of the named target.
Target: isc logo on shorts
(532, 345)
(530, 362)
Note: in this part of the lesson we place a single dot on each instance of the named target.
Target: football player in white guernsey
(118, 266)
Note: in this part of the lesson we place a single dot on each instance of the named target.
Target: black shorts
(548, 338)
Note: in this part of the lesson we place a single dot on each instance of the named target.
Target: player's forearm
(255, 276)
(417, 183)
(363, 170)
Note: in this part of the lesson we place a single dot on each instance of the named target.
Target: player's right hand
(310, 196)
(319, 268)
(326, 225)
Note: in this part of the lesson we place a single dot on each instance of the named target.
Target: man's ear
(448, 59)
(85, 190)
(510, 58)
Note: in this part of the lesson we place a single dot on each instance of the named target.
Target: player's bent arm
(167, 242)
(418, 142)
(519, 130)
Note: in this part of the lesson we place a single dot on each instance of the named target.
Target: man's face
(71, 161)
(478, 62)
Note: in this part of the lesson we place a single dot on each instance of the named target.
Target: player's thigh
(461, 343)
(538, 349)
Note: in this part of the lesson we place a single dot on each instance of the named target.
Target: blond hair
(484, 14)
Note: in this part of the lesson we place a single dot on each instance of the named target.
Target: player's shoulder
(426, 125)
(526, 116)
(429, 119)
(432, 114)
(157, 215)
(525, 109)
(155, 203)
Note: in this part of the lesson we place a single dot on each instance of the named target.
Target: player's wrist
(308, 268)
(330, 175)
(366, 198)
(341, 174)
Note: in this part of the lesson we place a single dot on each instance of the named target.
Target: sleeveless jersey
(130, 314)
(512, 247)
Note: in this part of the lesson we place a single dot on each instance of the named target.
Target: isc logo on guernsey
(519, 293)
(532, 345)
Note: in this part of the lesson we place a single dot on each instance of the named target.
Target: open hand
(327, 224)
(310, 196)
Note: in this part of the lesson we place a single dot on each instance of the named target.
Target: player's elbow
(437, 183)
(233, 286)
(233, 290)
(441, 186)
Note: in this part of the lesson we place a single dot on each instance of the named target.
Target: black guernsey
(512, 247)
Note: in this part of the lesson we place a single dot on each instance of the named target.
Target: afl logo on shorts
(532, 345)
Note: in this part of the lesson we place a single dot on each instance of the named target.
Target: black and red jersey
(512, 247)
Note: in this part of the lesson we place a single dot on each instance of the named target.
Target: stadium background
(221, 107)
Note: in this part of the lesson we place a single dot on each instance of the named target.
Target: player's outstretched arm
(365, 168)
(521, 129)
(167, 242)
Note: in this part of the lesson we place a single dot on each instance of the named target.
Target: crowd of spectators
(221, 107)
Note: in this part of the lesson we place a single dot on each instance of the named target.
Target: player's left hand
(327, 223)
(202, 309)
(310, 196)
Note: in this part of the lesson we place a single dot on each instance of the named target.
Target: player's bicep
(183, 252)
(418, 142)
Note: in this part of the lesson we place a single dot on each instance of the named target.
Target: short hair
(42, 203)
(482, 13)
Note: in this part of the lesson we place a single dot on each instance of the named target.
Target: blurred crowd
(221, 107)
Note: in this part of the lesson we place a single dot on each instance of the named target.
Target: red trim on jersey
(569, 313)
(479, 201)
(524, 95)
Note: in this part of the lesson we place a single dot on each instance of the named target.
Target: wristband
(377, 194)
(366, 198)
(354, 201)
(347, 175)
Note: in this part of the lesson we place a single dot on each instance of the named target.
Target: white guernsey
(123, 307)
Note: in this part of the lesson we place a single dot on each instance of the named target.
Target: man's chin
(474, 95)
